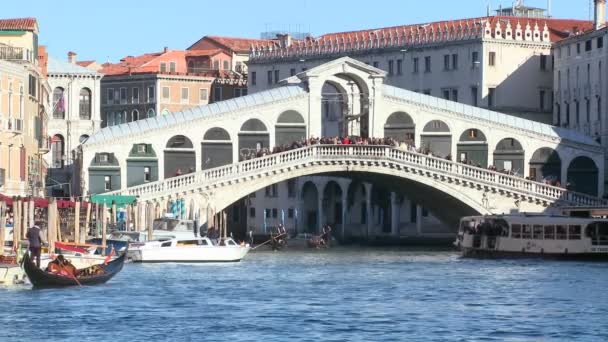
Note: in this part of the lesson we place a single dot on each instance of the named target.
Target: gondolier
(35, 241)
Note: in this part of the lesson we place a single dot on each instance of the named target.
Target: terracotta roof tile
(27, 24)
(558, 28)
(85, 63)
(241, 45)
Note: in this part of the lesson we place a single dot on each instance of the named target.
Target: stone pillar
(344, 211)
(394, 214)
(320, 212)
(418, 219)
(368, 203)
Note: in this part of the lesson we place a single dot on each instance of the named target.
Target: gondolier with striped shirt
(35, 240)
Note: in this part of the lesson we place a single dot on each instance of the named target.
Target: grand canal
(338, 295)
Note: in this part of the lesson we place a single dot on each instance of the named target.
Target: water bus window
(574, 233)
(561, 233)
(537, 232)
(526, 231)
(598, 233)
(549, 232)
(166, 244)
(516, 231)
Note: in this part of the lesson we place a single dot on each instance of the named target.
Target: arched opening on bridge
(472, 148)
(253, 138)
(290, 127)
(179, 157)
(345, 106)
(104, 173)
(400, 127)
(310, 209)
(436, 139)
(332, 206)
(546, 164)
(583, 175)
(509, 156)
(357, 207)
(142, 165)
(216, 148)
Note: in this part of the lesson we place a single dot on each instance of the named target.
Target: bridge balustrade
(448, 168)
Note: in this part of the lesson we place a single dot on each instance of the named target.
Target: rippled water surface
(338, 295)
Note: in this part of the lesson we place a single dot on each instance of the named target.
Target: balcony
(15, 53)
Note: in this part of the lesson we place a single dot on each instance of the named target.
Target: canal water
(337, 295)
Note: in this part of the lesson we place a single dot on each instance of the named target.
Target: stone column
(418, 219)
(320, 212)
(368, 203)
(394, 214)
(344, 211)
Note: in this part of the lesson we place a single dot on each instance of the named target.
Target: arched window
(135, 115)
(216, 65)
(151, 113)
(85, 104)
(57, 151)
(226, 65)
(58, 104)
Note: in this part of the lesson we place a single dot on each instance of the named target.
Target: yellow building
(24, 104)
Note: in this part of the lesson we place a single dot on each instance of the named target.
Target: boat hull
(188, 254)
(495, 254)
(42, 279)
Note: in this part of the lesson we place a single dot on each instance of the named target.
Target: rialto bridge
(195, 154)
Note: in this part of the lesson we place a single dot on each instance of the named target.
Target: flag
(265, 221)
(283, 216)
(61, 104)
(107, 259)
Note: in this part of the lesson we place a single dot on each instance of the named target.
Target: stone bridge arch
(253, 137)
(290, 127)
(216, 148)
(401, 127)
(472, 148)
(179, 156)
(436, 138)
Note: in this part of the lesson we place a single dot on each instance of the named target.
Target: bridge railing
(367, 152)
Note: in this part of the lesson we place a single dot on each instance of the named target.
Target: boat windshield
(172, 224)
(485, 226)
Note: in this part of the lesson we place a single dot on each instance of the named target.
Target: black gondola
(42, 279)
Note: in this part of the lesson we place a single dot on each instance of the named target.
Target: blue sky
(110, 29)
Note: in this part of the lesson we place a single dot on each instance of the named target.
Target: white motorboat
(201, 249)
(533, 235)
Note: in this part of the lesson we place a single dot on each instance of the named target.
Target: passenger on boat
(61, 266)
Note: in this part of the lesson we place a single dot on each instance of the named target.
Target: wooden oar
(75, 279)
(262, 244)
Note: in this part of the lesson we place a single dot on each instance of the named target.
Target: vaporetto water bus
(533, 235)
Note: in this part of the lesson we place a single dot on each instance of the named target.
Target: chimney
(43, 59)
(600, 14)
(166, 49)
(72, 57)
(284, 40)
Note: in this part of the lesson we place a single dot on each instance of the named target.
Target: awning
(39, 202)
(120, 201)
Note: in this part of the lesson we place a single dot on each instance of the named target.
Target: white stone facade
(302, 94)
(79, 120)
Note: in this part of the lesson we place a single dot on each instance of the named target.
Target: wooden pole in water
(58, 222)
(150, 220)
(77, 222)
(2, 225)
(114, 213)
(103, 229)
(97, 220)
(51, 222)
(16, 222)
(87, 223)
(128, 217)
(225, 222)
(26, 215)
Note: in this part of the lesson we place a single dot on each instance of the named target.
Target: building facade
(581, 81)
(75, 117)
(24, 104)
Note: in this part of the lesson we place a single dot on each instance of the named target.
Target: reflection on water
(337, 295)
